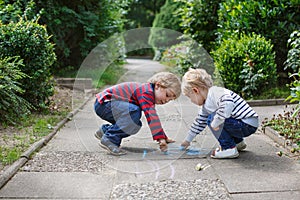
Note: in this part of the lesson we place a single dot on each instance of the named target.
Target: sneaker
(111, 147)
(99, 133)
(227, 153)
(241, 146)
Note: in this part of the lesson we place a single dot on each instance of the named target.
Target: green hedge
(275, 20)
(30, 42)
(246, 64)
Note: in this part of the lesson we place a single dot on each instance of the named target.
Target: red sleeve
(146, 102)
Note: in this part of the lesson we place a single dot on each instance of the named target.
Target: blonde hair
(198, 78)
(167, 80)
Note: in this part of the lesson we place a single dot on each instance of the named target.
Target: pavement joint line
(14, 168)
(261, 192)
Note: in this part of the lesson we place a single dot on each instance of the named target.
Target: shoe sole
(113, 153)
(242, 148)
(97, 136)
(233, 156)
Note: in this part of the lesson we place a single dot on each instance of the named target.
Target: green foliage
(79, 26)
(12, 106)
(76, 26)
(287, 124)
(160, 37)
(11, 11)
(185, 55)
(293, 63)
(30, 42)
(141, 13)
(28, 131)
(295, 92)
(273, 19)
(246, 64)
(274, 92)
(199, 20)
(9, 155)
(293, 59)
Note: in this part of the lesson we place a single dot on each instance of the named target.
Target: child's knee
(136, 128)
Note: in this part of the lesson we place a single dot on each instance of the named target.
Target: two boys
(228, 116)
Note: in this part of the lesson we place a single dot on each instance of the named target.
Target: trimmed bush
(246, 64)
(30, 42)
(12, 106)
(275, 20)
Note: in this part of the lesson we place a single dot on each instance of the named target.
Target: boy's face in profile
(163, 95)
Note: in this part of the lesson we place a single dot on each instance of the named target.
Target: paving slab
(258, 169)
(45, 185)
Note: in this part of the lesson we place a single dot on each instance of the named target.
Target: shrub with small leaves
(293, 63)
(246, 64)
(12, 106)
(30, 42)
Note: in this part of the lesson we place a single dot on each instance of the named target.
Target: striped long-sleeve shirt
(141, 95)
(225, 104)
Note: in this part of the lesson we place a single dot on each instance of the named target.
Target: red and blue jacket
(140, 94)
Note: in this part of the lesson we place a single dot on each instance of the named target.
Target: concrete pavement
(73, 166)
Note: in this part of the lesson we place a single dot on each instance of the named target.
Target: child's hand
(185, 144)
(169, 140)
(163, 145)
(216, 128)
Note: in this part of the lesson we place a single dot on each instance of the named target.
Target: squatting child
(121, 105)
(228, 116)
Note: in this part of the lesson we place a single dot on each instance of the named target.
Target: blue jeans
(231, 132)
(123, 116)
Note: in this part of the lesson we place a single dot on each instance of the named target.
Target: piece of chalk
(199, 167)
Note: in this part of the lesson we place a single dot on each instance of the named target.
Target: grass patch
(30, 130)
(16, 139)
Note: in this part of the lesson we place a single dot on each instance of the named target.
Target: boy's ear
(157, 85)
(196, 90)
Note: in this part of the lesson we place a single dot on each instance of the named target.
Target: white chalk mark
(172, 171)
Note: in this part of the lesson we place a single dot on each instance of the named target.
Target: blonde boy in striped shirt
(228, 116)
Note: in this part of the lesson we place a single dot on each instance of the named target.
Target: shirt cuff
(190, 137)
(216, 122)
